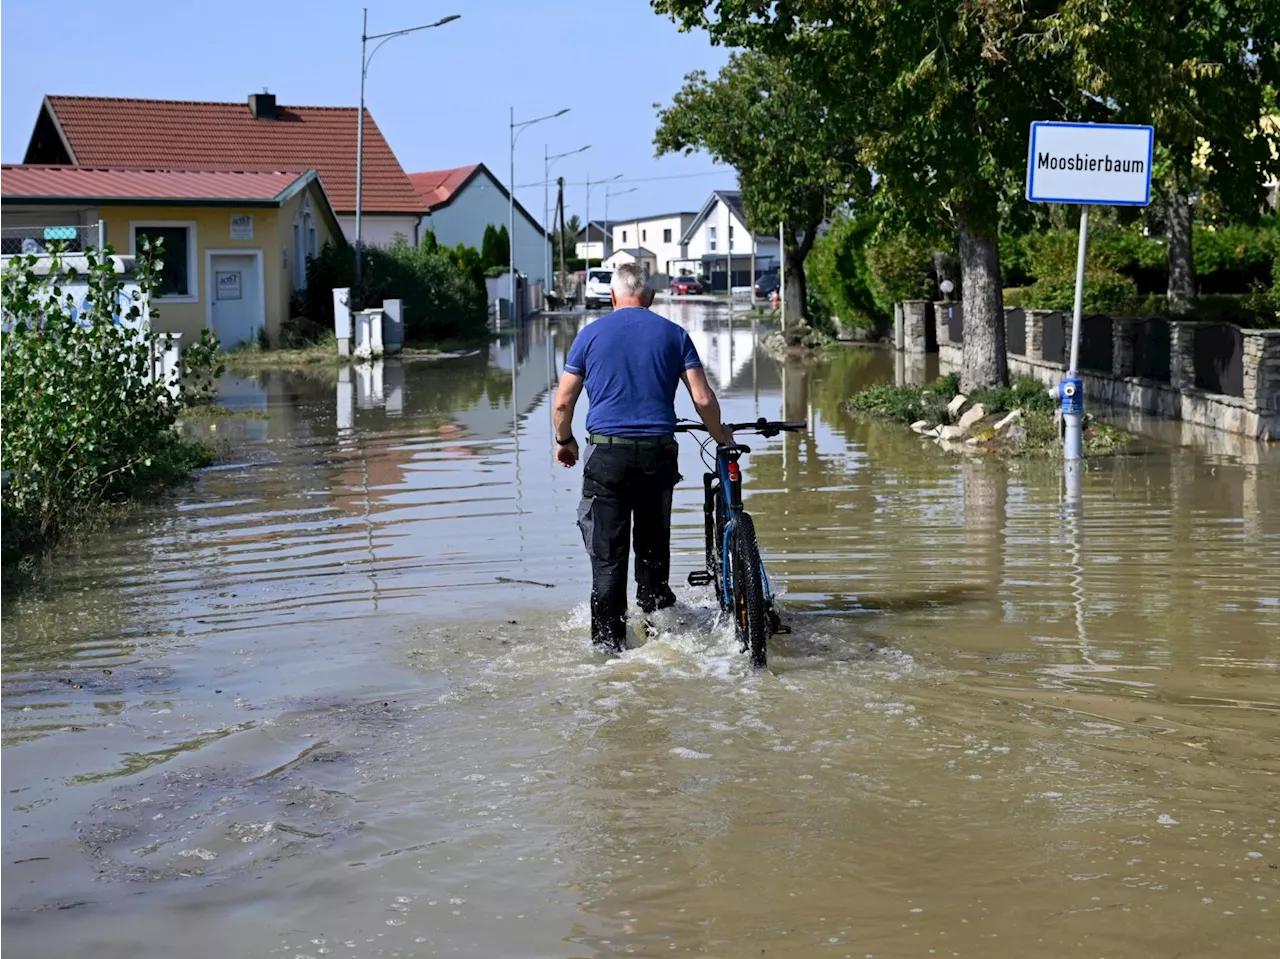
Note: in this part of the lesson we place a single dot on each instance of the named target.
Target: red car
(682, 285)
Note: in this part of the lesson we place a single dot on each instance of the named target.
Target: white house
(462, 201)
(717, 236)
(662, 236)
(633, 254)
(595, 241)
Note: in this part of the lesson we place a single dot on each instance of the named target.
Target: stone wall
(1254, 414)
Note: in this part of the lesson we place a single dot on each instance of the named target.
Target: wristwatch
(560, 442)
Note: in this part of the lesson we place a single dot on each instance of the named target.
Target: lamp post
(511, 197)
(546, 205)
(606, 217)
(610, 193)
(365, 60)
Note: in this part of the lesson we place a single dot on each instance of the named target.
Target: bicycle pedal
(700, 577)
(781, 629)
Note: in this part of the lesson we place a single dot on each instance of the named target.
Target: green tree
(793, 166)
(938, 96)
(492, 250)
(1203, 72)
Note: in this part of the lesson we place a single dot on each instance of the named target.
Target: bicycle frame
(726, 484)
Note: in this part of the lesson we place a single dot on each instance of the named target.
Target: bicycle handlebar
(762, 426)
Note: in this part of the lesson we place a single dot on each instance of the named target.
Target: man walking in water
(630, 362)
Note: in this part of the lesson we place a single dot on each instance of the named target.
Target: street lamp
(546, 207)
(589, 186)
(608, 193)
(365, 60)
(511, 198)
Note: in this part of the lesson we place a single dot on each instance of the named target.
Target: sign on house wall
(242, 226)
(1102, 164)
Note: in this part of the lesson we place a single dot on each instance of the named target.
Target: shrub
(901, 268)
(494, 250)
(1104, 292)
(442, 290)
(85, 424)
(1025, 394)
(1231, 259)
(906, 404)
(838, 273)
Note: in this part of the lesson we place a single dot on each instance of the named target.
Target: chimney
(262, 105)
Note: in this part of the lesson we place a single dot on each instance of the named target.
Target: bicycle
(741, 582)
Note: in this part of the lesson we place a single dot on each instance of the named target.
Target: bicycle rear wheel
(751, 616)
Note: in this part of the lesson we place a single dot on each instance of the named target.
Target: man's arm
(562, 415)
(705, 402)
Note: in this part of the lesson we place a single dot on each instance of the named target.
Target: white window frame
(711, 239)
(193, 258)
(666, 236)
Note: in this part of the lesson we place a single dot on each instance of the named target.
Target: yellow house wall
(272, 238)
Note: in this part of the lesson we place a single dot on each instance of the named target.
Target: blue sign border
(1031, 155)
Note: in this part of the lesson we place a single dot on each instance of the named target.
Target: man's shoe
(651, 604)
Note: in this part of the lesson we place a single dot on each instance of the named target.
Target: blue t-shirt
(631, 361)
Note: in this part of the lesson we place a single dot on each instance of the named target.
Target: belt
(634, 442)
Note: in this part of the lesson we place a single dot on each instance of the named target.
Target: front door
(237, 299)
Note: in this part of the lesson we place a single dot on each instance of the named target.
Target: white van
(596, 296)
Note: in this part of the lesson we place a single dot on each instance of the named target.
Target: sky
(441, 97)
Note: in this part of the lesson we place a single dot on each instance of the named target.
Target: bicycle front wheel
(751, 617)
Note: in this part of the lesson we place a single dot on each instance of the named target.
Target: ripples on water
(341, 689)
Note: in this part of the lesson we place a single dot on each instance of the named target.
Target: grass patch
(1035, 435)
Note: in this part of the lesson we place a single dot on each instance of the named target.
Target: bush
(1025, 394)
(1104, 292)
(837, 271)
(906, 404)
(84, 423)
(494, 249)
(1232, 259)
(901, 268)
(442, 290)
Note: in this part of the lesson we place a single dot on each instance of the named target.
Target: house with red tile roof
(462, 201)
(257, 135)
(235, 242)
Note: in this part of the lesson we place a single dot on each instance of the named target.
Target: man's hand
(567, 455)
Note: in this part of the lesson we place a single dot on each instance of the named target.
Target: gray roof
(643, 251)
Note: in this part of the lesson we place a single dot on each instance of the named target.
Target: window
(711, 238)
(644, 235)
(731, 235)
(624, 236)
(177, 275)
(666, 236)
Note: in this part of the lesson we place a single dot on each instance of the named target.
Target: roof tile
(79, 182)
(112, 132)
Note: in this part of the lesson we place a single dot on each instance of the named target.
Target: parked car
(683, 285)
(596, 295)
(766, 284)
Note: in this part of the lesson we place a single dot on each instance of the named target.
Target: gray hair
(629, 279)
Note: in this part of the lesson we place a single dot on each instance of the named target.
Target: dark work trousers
(624, 486)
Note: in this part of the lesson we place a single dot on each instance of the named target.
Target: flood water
(337, 698)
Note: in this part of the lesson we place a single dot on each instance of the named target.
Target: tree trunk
(1182, 274)
(796, 290)
(795, 252)
(982, 297)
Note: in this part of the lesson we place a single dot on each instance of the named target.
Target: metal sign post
(1092, 164)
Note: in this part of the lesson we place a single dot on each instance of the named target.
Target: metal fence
(1219, 358)
(72, 238)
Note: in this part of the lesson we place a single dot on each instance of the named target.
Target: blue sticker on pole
(1071, 395)
(1096, 164)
